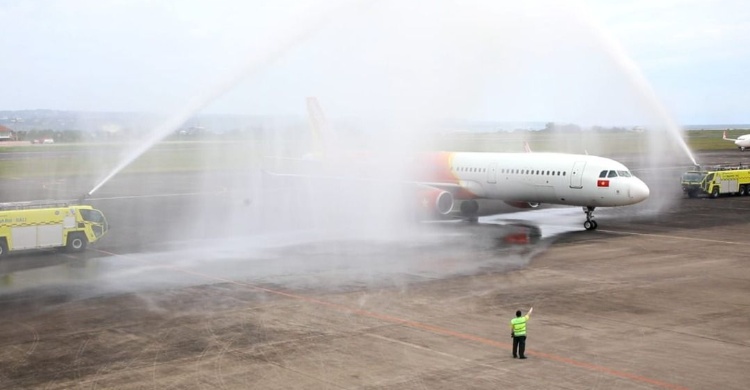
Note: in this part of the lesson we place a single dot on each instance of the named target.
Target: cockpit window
(91, 216)
(612, 174)
(624, 173)
(603, 174)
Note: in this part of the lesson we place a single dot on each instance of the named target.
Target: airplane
(522, 180)
(742, 142)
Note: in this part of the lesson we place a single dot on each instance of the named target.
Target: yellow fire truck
(716, 181)
(34, 225)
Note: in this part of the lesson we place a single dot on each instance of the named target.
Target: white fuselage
(743, 142)
(566, 179)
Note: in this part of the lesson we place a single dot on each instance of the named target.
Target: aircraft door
(492, 173)
(576, 175)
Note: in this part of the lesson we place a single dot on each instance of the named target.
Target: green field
(98, 159)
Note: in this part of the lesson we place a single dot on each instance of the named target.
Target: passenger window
(603, 174)
(563, 173)
(612, 174)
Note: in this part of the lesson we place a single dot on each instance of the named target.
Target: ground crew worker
(518, 332)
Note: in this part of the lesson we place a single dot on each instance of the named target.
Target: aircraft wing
(728, 139)
(449, 187)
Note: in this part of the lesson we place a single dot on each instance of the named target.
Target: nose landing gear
(590, 224)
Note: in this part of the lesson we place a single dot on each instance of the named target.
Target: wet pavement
(424, 306)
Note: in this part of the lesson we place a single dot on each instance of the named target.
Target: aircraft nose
(639, 191)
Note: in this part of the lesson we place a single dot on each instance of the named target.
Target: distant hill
(134, 122)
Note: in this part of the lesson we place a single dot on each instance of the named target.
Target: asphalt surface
(228, 280)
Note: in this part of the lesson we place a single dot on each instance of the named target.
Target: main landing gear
(590, 224)
(470, 210)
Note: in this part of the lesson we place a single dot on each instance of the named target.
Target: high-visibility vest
(519, 325)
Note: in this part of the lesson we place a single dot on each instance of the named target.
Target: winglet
(725, 137)
(526, 147)
(322, 137)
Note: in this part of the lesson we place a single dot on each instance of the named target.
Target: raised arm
(529, 313)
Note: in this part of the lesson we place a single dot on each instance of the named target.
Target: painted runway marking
(415, 325)
(661, 168)
(441, 353)
(223, 190)
(672, 237)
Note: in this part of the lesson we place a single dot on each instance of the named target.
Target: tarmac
(657, 298)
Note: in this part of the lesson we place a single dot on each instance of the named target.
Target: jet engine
(435, 201)
(523, 205)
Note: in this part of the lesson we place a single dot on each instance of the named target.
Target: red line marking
(418, 325)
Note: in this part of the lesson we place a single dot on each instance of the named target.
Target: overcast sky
(470, 59)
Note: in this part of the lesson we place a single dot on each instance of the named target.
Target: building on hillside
(6, 134)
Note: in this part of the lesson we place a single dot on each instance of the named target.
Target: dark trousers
(519, 345)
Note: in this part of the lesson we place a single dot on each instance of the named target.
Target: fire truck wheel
(715, 192)
(743, 190)
(3, 248)
(76, 242)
